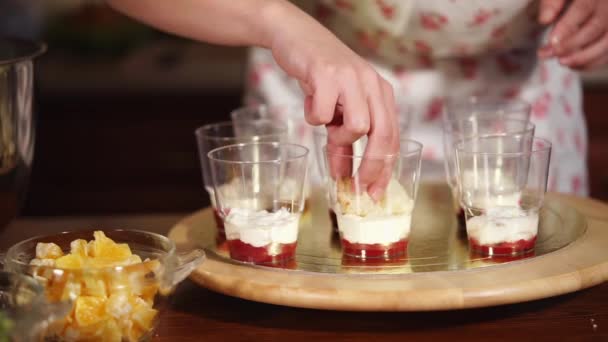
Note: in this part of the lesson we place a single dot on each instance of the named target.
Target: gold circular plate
(438, 272)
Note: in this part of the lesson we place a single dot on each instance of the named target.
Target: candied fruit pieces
(70, 261)
(79, 247)
(143, 314)
(48, 251)
(94, 287)
(89, 310)
(106, 248)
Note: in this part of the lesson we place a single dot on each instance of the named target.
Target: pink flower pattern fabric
(431, 50)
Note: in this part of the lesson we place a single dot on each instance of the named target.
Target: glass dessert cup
(113, 302)
(373, 228)
(502, 233)
(260, 193)
(490, 123)
(220, 134)
(374, 251)
(502, 183)
(298, 131)
(24, 310)
(374, 263)
(458, 109)
(320, 141)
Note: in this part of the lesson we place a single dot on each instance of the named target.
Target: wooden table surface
(197, 314)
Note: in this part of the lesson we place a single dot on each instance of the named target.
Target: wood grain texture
(580, 265)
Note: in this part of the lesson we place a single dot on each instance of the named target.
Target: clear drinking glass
(502, 180)
(302, 133)
(220, 134)
(260, 194)
(369, 228)
(480, 107)
(298, 131)
(17, 122)
(458, 130)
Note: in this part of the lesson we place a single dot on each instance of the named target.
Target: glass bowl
(110, 302)
(24, 310)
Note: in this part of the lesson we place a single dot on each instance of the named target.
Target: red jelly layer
(501, 259)
(277, 253)
(334, 220)
(503, 248)
(364, 251)
(349, 261)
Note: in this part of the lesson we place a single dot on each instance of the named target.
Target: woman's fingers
(339, 160)
(354, 121)
(549, 10)
(350, 122)
(378, 188)
(591, 31)
(590, 54)
(577, 13)
(320, 105)
(381, 141)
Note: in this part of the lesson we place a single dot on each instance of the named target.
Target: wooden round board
(578, 264)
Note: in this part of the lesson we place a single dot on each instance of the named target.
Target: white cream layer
(503, 224)
(260, 227)
(383, 230)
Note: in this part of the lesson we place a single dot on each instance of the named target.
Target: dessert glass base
(272, 254)
(219, 223)
(504, 248)
(374, 251)
(334, 220)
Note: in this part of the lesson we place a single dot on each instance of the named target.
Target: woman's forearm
(225, 22)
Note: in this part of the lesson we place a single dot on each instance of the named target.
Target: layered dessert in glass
(370, 229)
(502, 183)
(259, 191)
(260, 236)
(503, 230)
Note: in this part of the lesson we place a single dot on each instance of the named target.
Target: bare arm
(342, 90)
(232, 22)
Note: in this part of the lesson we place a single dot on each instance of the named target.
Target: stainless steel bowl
(17, 124)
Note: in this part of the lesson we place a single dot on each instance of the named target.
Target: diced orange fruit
(79, 247)
(71, 261)
(89, 310)
(111, 331)
(48, 251)
(143, 314)
(94, 287)
(105, 248)
(109, 306)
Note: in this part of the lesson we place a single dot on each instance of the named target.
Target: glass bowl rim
(304, 151)
(536, 149)
(199, 132)
(417, 150)
(10, 258)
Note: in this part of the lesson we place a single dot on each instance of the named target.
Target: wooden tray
(437, 274)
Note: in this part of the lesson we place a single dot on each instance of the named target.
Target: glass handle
(186, 263)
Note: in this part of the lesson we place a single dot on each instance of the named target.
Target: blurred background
(117, 104)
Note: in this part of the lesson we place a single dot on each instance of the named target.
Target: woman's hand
(579, 38)
(342, 91)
